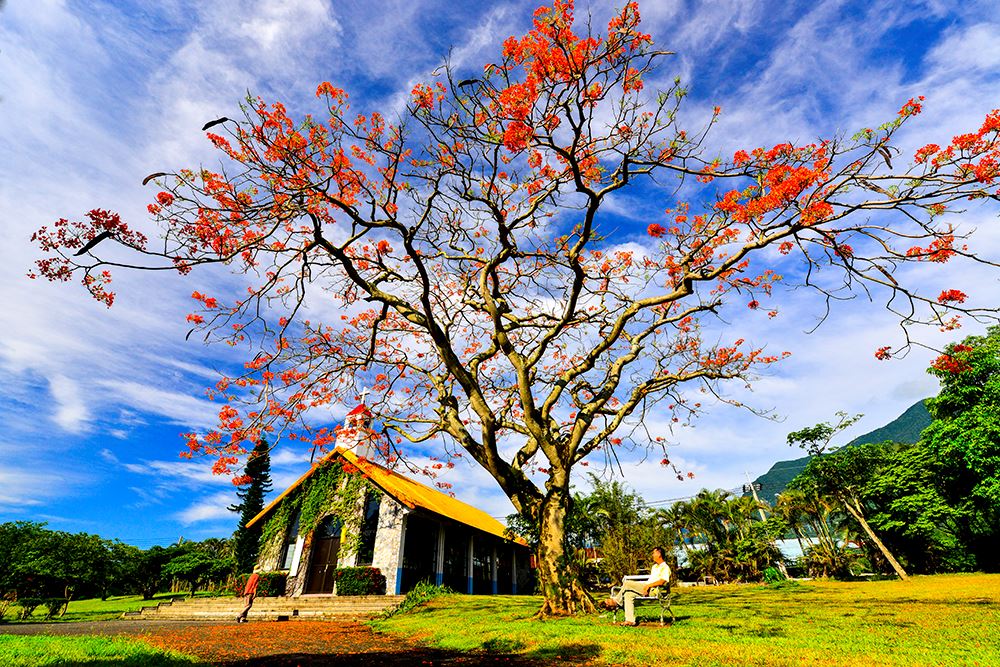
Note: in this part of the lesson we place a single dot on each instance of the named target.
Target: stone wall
(389, 541)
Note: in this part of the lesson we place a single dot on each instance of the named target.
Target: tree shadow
(418, 657)
(577, 652)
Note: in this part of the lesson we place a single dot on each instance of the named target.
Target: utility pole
(753, 489)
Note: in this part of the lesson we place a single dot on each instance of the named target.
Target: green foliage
(42, 650)
(270, 584)
(964, 439)
(247, 540)
(910, 511)
(197, 566)
(38, 562)
(28, 606)
(723, 536)
(624, 526)
(359, 581)
(330, 490)
(841, 476)
(149, 574)
(934, 504)
(418, 596)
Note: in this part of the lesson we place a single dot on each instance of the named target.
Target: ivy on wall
(330, 490)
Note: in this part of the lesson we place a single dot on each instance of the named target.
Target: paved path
(348, 643)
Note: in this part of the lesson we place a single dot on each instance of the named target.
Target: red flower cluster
(949, 363)
(952, 295)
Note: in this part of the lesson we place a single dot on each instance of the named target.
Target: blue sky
(97, 95)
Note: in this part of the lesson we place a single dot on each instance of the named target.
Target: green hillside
(904, 428)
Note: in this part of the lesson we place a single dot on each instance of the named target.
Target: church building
(408, 530)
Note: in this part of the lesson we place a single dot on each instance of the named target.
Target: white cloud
(188, 473)
(286, 456)
(23, 485)
(176, 406)
(208, 508)
(71, 413)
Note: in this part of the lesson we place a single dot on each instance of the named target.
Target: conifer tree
(257, 478)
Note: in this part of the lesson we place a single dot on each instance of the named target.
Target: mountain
(905, 428)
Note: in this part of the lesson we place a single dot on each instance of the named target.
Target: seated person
(659, 575)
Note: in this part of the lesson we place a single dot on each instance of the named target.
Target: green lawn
(939, 620)
(38, 650)
(96, 609)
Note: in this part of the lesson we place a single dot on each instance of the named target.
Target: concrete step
(325, 607)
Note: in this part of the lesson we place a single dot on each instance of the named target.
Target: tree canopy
(483, 295)
(964, 439)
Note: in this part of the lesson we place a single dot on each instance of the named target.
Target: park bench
(660, 595)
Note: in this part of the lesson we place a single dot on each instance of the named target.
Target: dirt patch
(295, 643)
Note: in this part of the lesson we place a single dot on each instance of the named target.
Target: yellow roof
(411, 493)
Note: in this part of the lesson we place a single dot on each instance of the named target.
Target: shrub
(773, 575)
(28, 607)
(359, 581)
(5, 602)
(271, 584)
(54, 605)
(423, 592)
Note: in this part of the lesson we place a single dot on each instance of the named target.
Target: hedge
(271, 584)
(359, 581)
(52, 606)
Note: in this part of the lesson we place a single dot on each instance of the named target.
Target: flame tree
(481, 294)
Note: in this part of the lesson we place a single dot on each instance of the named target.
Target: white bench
(660, 595)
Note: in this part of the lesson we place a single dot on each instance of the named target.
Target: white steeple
(356, 434)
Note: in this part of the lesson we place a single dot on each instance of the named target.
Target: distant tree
(910, 509)
(196, 567)
(723, 535)
(19, 542)
(257, 478)
(149, 571)
(818, 525)
(964, 439)
(840, 474)
(121, 569)
(624, 526)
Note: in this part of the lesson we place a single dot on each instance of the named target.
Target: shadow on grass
(566, 653)
(133, 661)
(421, 657)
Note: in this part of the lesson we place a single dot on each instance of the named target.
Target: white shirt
(659, 571)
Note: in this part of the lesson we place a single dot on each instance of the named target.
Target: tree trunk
(561, 587)
(69, 596)
(855, 511)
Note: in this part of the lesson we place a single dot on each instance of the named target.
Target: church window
(288, 549)
(419, 552)
(456, 558)
(482, 565)
(369, 528)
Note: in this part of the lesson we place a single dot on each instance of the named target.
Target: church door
(325, 546)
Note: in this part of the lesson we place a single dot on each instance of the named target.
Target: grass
(939, 620)
(95, 609)
(38, 650)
